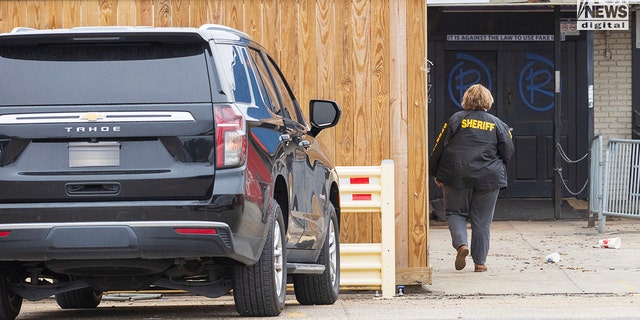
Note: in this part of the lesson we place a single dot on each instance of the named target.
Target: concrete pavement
(517, 263)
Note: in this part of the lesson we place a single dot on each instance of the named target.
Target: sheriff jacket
(472, 151)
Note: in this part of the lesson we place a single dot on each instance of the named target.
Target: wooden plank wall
(367, 55)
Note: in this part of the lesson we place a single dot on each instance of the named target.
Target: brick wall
(612, 84)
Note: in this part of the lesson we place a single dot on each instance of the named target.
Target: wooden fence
(369, 56)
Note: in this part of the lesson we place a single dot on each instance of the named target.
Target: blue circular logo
(469, 71)
(535, 79)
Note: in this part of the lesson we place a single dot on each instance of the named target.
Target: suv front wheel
(260, 290)
(322, 288)
(85, 298)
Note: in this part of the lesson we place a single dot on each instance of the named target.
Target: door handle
(97, 188)
(304, 143)
(285, 138)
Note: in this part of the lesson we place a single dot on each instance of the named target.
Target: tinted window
(286, 96)
(103, 74)
(266, 83)
(234, 63)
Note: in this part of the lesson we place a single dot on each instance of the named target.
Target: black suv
(178, 158)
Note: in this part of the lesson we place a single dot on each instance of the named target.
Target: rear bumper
(115, 240)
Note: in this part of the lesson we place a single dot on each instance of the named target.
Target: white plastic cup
(612, 243)
(553, 258)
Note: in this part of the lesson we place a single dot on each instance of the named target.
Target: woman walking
(469, 162)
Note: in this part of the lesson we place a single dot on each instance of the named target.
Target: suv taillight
(231, 140)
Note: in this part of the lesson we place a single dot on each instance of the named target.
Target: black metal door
(527, 105)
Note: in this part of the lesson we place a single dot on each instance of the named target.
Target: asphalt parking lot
(364, 306)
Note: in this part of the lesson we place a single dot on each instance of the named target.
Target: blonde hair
(477, 97)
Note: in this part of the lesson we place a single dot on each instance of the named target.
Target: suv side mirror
(324, 114)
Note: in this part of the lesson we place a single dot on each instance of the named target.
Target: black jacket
(472, 151)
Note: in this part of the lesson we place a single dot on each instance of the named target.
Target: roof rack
(210, 26)
(111, 28)
(22, 29)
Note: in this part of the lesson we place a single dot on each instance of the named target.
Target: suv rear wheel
(322, 288)
(260, 289)
(10, 302)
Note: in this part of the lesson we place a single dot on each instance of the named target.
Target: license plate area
(94, 154)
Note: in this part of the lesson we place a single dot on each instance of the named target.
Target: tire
(85, 298)
(260, 289)
(10, 302)
(322, 288)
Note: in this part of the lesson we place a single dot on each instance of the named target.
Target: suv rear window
(103, 74)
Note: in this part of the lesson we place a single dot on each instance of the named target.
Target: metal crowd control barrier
(621, 187)
(596, 164)
(369, 189)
